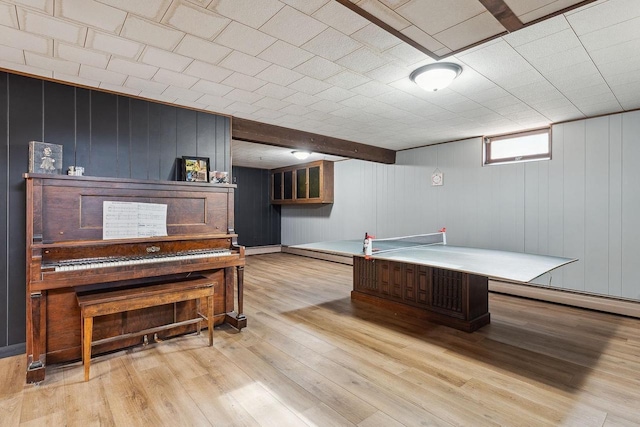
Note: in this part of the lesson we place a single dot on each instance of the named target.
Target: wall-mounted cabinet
(306, 183)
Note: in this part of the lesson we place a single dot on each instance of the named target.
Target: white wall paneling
(583, 203)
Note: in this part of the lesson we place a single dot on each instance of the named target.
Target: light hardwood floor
(310, 356)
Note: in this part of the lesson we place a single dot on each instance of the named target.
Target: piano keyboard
(89, 263)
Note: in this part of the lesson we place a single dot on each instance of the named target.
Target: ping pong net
(397, 243)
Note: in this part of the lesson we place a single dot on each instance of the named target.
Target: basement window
(518, 147)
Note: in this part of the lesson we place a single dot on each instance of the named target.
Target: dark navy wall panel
(4, 184)
(257, 221)
(110, 135)
(25, 124)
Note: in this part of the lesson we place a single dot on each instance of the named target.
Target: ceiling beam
(388, 28)
(262, 133)
(503, 13)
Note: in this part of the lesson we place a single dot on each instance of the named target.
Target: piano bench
(104, 302)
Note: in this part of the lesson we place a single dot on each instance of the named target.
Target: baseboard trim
(13, 350)
(568, 297)
(257, 250)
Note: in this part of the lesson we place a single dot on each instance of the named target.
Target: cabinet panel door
(301, 183)
(314, 182)
(277, 186)
(288, 185)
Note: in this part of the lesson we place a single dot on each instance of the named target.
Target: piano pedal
(156, 339)
(145, 341)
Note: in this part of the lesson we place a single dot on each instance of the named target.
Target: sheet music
(126, 220)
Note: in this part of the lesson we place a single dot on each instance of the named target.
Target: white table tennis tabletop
(495, 264)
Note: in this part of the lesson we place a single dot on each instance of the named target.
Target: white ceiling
(261, 156)
(316, 66)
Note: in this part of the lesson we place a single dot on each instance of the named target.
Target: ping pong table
(422, 276)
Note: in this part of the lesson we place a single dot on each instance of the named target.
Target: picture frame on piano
(195, 169)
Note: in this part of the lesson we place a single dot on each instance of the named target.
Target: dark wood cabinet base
(452, 298)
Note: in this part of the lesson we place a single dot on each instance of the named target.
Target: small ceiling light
(300, 154)
(436, 76)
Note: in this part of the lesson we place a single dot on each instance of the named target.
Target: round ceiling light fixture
(300, 154)
(436, 76)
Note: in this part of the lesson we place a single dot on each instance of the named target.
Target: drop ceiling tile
(248, 12)
(318, 68)
(91, 13)
(241, 107)
(11, 54)
(245, 96)
(203, 50)
(309, 85)
(245, 39)
(376, 38)
(163, 59)
(241, 62)
(535, 32)
(347, 79)
(603, 15)
(45, 6)
(284, 54)
(565, 40)
(271, 103)
(242, 81)
(617, 54)
(150, 33)
(74, 53)
(296, 110)
(45, 25)
(293, 26)
(150, 9)
(131, 68)
(407, 54)
(265, 113)
(207, 71)
(331, 44)
(335, 94)
(75, 80)
(434, 16)
(470, 31)
(194, 20)
(52, 64)
(611, 36)
(119, 89)
(98, 74)
(385, 13)
(496, 61)
(562, 60)
(372, 88)
(306, 6)
(211, 88)
(145, 85)
(8, 15)
(215, 102)
(181, 93)
(17, 39)
(389, 73)
(175, 79)
(157, 97)
(422, 38)
(279, 75)
(113, 44)
(601, 108)
(275, 91)
(301, 99)
(339, 17)
(362, 60)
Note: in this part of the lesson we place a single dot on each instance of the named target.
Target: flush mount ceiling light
(436, 76)
(300, 154)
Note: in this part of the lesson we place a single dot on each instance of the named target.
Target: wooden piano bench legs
(106, 302)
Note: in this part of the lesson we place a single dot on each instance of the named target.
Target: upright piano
(66, 254)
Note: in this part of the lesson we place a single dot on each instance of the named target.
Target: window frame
(486, 149)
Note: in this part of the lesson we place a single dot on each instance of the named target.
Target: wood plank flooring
(311, 357)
